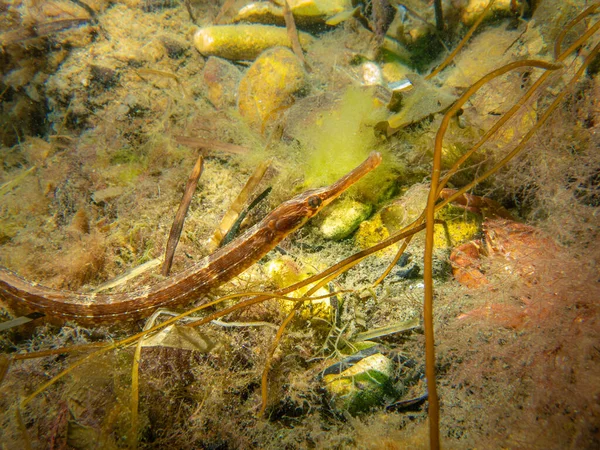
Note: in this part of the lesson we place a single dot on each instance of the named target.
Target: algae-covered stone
(362, 386)
(501, 8)
(222, 79)
(460, 225)
(285, 271)
(344, 219)
(420, 102)
(239, 42)
(372, 232)
(269, 84)
(304, 11)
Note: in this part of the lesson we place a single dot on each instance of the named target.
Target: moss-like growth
(342, 138)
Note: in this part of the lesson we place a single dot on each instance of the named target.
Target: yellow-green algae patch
(341, 138)
(372, 232)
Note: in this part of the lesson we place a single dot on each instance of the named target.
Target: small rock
(104, 77)
(344, 219)
(285, 271)
(362, 385)
(175, 49)
(501, 8)
(269, 85)
(105, 195)
(222, 78)
(372, 232)
(243, 42)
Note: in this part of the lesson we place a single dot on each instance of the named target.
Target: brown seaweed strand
(434, 408)
(431, 207)
(521, 102)
(584, 37)
(549, 67)
(561, 36)
(519, 147)
(177, 226)
(264, 382)
(462, 42)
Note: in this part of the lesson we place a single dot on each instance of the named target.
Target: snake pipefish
(187, 286)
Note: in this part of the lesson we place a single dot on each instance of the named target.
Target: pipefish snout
(229, 261)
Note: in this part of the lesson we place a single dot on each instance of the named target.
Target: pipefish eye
(314, 201)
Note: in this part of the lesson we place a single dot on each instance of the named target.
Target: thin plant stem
(462, 42)
(439, 14)
(179, 220)
(561, 36)
(434, 194)
(465, 97)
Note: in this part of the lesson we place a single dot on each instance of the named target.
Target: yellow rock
(461, 225)
(268, 86)
(344, 218)
(500, 8)
(304, 11)
(242, 41)
(285, 271)
(372, 232)
(317, 7)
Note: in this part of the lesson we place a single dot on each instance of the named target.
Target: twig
(188, 7)
(135, 379)
(129, 275)
(180, 216)
(161, 73)
(439, 14)
(290, 24)
(462, 43)
(235, 209)
(88, 8)
(245, 324)
(9, 185)
(46, 28)
(387, 330)
(236, 226)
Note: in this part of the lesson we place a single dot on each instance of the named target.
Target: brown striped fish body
(24, 297)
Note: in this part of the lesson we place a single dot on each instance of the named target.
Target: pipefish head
(294, 213)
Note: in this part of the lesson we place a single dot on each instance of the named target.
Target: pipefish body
(224, 264)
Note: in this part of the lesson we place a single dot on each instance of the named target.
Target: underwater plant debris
(107, 106)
